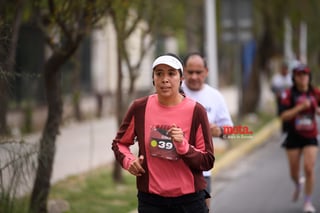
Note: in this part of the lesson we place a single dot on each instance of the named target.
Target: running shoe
(308, 208)
(298, 189)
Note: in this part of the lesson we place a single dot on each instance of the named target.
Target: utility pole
(211, 42)
(288, 52)
(303, 42)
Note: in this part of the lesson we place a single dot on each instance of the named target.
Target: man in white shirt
(279, 83)
(194, 86)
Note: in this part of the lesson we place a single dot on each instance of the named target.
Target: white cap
(168, 60)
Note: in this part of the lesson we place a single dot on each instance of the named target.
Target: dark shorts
(295, 141)
(189, 203)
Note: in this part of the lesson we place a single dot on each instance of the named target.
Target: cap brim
(168, 60)
(302, 70)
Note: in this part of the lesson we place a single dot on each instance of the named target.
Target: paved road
(259, 183)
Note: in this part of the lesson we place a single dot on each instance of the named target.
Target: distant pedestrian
(195, 87)
(175, 144)
(281, 81)
(299, 106)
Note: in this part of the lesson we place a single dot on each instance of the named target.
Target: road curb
(231, 156)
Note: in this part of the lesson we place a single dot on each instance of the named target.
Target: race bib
(160, 143)
(306, 122)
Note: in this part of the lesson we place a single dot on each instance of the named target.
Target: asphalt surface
(259, 182)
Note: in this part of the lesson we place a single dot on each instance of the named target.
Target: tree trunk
(194, 26)
(251, 92)
(4, 85)
(4, 78)
(99, 103)
(4, 130)
(76, 86)
(7, 54)
(47, 148)
(265, 50)
(117, 170)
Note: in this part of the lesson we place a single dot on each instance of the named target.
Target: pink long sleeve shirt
(172, 168)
